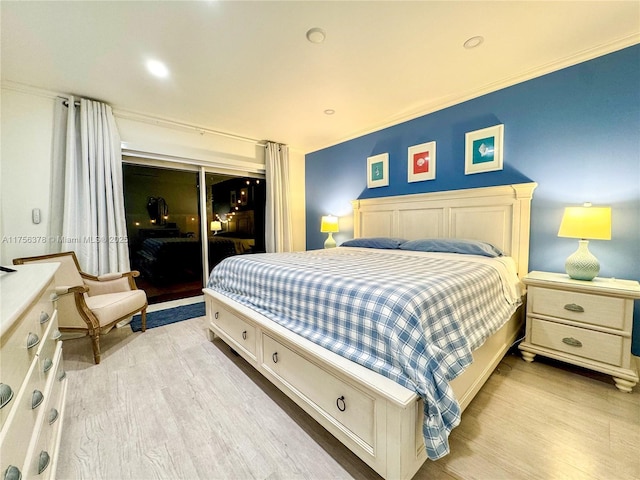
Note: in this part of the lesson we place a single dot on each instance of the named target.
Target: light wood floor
(169, 404)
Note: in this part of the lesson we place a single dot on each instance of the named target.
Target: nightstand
(586, 323)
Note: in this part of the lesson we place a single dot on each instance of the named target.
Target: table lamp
(585, 223)
(329, 225)
(215, 226)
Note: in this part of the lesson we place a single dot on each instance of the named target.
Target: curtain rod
(123, 114)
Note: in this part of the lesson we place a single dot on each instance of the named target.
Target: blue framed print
(483, 150)
(378, 171)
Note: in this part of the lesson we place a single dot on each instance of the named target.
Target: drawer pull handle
(274, 357)
(32, 340)
(44, 317)
(12, 473)
(43, 461)
(574, 307)
(216, 315)
(53, 416)
(6, 394)
(340, 403)
(572, 341)
(62, 375)
(56, 335)
(48, 363)
(36, 399)
(244, 335)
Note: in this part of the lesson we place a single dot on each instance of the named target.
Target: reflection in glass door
(235, 216)
(162, 207)
(163, 224)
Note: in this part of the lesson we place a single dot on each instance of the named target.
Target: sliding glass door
(168, 242)
(163, 224)
(235, 215)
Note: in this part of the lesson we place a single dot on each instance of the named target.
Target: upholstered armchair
(88, 304)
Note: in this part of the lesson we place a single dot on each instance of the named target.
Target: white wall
(27, 132)
(25, 170)
(298, 200)
(147, 138)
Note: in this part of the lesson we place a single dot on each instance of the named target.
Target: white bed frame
(379, 420)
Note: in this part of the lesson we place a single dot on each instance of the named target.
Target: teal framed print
(378, 171)
(483, 150)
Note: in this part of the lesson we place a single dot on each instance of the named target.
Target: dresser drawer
(16, 358)
(48, 350)
(581, 342)
(240, 331)
(42, 457)
(350, 409)
(18, 429)
(581, 307)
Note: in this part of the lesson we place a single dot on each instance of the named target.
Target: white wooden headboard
(498, 215)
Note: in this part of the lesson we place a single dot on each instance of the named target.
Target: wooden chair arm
(89, 317)
(64, 290)
(109, 276)
(110, 282)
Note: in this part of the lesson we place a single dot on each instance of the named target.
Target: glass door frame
(202, 168)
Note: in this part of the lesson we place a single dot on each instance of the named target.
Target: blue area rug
(170, 315)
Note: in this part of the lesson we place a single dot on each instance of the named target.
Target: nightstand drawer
(590, 344)
(581, 307)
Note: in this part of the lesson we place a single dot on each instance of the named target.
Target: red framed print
(422, 162)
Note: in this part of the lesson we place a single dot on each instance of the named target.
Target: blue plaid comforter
(412, 318)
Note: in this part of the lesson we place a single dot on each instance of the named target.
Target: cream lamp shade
(585, 223)
(215, 226)
(329, 224)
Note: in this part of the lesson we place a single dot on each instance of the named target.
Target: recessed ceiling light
(316, 35)
(329, 111)
(473, 42)
(157, 68)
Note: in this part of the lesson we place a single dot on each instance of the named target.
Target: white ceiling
(246, 68)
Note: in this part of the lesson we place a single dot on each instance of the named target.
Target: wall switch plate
(35, 215)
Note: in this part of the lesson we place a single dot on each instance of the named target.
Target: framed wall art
(483, 150)
(378, 171)
(422, 162)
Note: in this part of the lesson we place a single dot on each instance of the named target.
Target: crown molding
(31, 90)
(455, 99)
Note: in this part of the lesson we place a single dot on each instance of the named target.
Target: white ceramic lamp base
(582, 265)
(330, 242)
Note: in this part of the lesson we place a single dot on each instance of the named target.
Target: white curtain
(278, 235)
(87, 198)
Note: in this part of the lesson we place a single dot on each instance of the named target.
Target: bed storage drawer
(599, 346)
(242, 333)
(350, 409)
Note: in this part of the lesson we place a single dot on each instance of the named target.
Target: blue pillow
(374, 242)
(453, 245)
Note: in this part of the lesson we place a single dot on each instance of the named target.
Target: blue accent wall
(576, 132)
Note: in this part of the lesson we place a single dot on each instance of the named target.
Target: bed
(388, 408)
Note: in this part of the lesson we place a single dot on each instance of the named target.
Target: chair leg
(143, 317)
(95, 342)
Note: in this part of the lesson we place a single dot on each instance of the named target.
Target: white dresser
(32, 379)
(586, 323)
